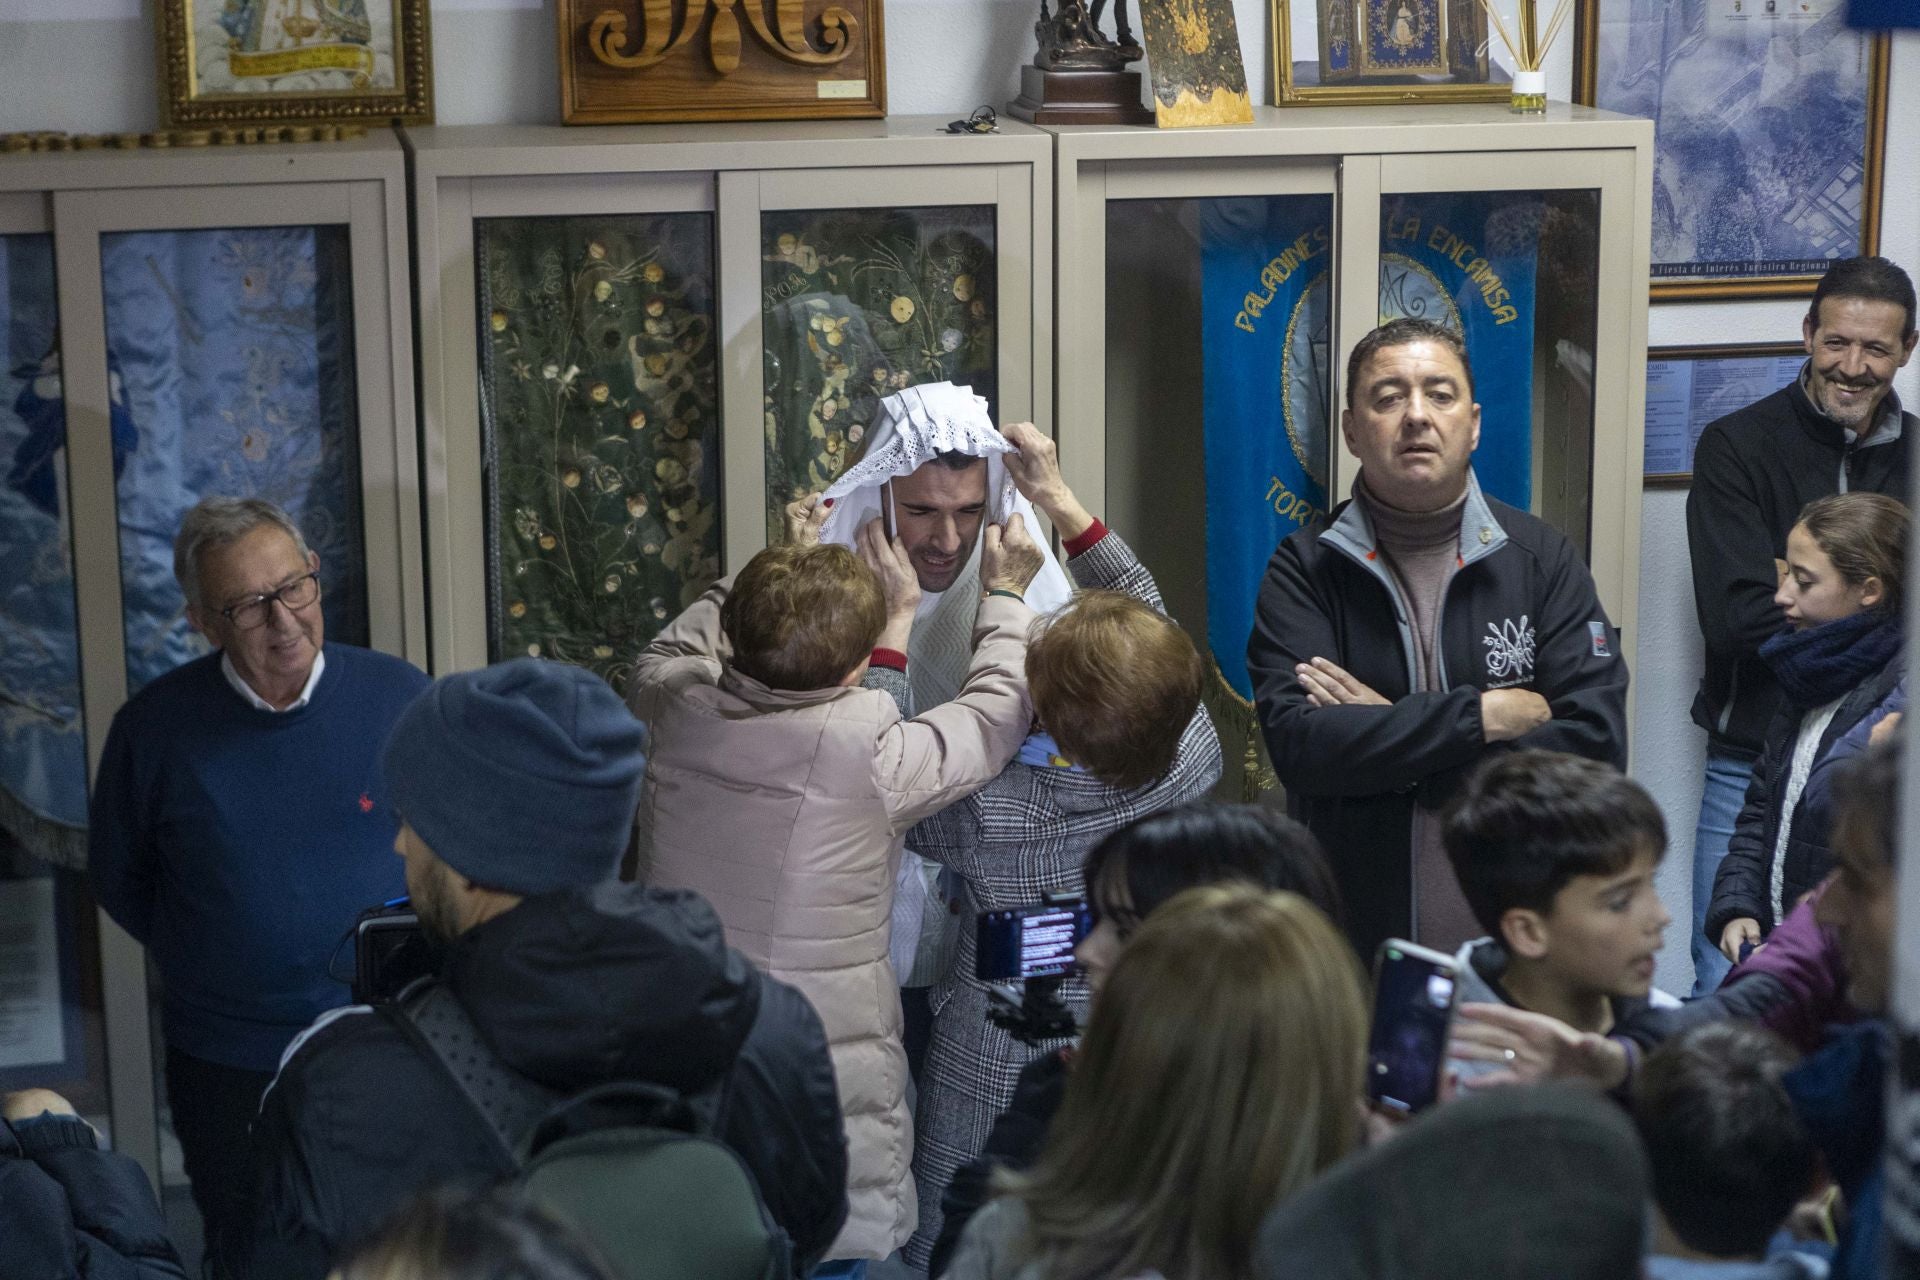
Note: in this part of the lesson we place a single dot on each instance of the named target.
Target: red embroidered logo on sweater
(366, 803)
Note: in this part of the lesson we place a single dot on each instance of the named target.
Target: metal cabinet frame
(81, 196)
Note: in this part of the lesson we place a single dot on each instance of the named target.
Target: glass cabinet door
(52, 1032)
(1512, 272)
(600, 420)
(855, 305)
(1205, 320)
(1540, 282)
(862, 283)
(232, 340)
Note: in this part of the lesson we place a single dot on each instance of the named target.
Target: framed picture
(225, 62)
(1339, 52)
(1769, 135)
(1689, 387)
(1193, 52)
(643, 61)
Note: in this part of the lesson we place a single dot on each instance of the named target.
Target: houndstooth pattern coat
(1024, 835)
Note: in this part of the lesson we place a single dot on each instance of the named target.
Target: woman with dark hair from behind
(456, 1235)
(1129, 875)
(1220, 1073)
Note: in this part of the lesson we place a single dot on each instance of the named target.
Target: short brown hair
(1403, 332)
(803, 617)
(1115, 683)
(1865, 535)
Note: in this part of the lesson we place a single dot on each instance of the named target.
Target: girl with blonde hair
(1221, 1071)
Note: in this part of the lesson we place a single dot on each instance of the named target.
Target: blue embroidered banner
(233, 351)
(43, 751)
(1264, 333)
(1467, 260)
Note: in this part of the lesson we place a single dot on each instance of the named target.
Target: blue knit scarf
(1829, 660)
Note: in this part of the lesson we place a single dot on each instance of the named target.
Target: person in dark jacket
(1837, 428)
(516, 787)
(68, 1210)
(1839, 656)
(1421, 627)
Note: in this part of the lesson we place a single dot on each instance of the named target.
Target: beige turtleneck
(1421, 550)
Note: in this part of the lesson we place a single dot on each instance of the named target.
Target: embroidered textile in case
(600, 405)
(857, 304)
(233, 351)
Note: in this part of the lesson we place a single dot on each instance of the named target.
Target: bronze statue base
(1079, 97)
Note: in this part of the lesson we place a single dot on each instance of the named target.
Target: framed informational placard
(1339, 52)
(1769, 134)
(1689, 387)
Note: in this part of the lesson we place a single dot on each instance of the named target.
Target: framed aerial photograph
(1690, 387)
(1338, 52)
(1769, 135)
(228, 62)
(644, 61)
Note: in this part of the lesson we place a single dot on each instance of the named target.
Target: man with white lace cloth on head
(933, 471)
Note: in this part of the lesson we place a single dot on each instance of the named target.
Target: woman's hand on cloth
(1035, 469)
(1531, 1047)
(803, 518)
(1010, 558)
(898, 581)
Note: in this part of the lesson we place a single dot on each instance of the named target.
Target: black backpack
(634, 1166)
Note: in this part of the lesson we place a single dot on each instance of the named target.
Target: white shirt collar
(259, 703)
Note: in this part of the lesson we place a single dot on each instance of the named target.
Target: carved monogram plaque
(624, 61)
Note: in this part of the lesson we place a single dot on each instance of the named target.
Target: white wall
(88, 65)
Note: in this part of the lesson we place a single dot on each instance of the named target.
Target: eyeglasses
(255, 610)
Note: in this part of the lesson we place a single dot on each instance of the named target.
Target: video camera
(390, 951)
(1023, 955)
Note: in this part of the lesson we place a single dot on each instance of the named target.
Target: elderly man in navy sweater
(239, 825)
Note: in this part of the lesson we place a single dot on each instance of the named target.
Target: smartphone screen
(1028, 942)
(1412, 1010)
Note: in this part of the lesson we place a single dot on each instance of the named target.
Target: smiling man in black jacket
(1836, 428)
(1420, 627)
(516, 787)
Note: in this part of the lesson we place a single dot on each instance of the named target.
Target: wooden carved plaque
(627, 61)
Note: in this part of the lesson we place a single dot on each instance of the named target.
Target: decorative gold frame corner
(411, 102)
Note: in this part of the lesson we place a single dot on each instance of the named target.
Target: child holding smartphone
(1556, 854)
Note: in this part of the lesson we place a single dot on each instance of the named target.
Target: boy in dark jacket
(1557, 855)
(69, 1209)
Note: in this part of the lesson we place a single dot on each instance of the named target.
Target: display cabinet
(637, 344)
(178, 323)
(1210, 283)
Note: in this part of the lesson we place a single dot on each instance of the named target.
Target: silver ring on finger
(1510, 1054)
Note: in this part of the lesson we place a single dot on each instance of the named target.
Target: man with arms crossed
(1420, 627)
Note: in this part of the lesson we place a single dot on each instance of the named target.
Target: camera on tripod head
(1022, 956)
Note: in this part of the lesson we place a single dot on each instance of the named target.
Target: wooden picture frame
(1679, 406)
(653, 61)
(1713, 170)
(254, 62)
(1378, 51)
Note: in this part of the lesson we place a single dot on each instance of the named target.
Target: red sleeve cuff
(892, 659)
(1090, 535)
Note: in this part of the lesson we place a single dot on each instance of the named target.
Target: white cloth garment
(911, 427)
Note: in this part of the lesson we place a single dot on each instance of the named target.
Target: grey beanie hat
(522, 776)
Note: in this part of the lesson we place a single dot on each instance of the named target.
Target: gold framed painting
(1344, 52)
(226, 62)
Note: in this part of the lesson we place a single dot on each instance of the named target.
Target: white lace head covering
(911, 427)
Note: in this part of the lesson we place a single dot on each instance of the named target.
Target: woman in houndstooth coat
(1116, 689)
